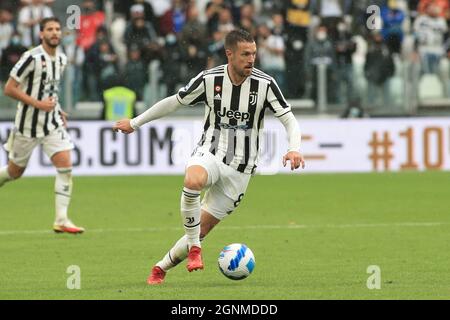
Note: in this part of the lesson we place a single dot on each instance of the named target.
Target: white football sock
(190, 213)
(175, 255)
(63, 192)
(4, 175)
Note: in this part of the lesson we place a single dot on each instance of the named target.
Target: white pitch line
(255, 227)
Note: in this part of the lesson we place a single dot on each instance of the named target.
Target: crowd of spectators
(187, 36)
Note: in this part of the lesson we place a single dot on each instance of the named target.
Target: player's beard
(52, 43)
(243, 72)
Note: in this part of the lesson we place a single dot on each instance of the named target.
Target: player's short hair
(235, 36)
(47, 20)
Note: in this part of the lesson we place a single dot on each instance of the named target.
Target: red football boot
(194, 259)
(157, 276)
(67, 227)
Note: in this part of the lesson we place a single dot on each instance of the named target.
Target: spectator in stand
(321, 51)
(138, 30)
(271, 54)
(149, 14)
(90, 67)
(430, 29)
(10, 56)
(298, 19)
(225, 23)
(345, 48)
(6, 28)
(442, 5)
(173, 19)
(136, 72)
(90, 20)
(378, 69)
(171, 63)
(163, 21)
(247, 19)
(106, 69)
(74, 69)
(393, 17)
(193, 43)
(216, 50)
(331, 12)
(141, 33)
(213, 9)
(29, 19)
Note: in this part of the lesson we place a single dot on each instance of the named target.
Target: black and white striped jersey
(234, 115)
(39, 75)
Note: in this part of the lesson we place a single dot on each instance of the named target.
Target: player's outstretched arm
(158, 110)
(294, 136)
(13, 90)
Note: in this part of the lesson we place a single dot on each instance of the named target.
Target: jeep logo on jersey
(232, 114)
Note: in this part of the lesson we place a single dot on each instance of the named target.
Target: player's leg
(63, 193)
(10, 172)
(221, 199)
(179, 251)
(19, 150)
(194, 182)
(57, 146)
(202, 171)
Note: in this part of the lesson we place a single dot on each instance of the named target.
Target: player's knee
(15, 172)
(194, 183)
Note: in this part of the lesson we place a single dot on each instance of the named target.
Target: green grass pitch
(314, 236)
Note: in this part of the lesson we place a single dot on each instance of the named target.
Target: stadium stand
(394, 60)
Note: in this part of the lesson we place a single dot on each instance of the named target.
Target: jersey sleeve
(193, 93)
(22, 68)
(275, 100)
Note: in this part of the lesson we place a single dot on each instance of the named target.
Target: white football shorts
(20, 147)
(225, 187)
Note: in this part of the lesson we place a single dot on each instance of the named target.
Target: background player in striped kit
(236, 96)
(34, 82)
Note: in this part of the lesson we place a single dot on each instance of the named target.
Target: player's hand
(47, 104)
(123, 126)
(64, 116)
(296, 160)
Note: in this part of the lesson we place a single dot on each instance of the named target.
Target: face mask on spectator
(15, 40)
(341, 27)
(321, 35)
(68, 40)
(171, 39)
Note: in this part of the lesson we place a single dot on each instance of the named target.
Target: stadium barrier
(162, 147)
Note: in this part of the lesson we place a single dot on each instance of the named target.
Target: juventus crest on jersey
(234, 115)
(39, 75)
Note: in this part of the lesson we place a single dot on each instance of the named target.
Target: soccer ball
(236, 261)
